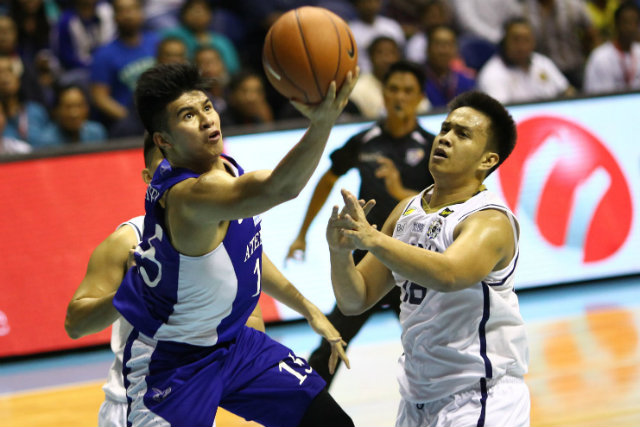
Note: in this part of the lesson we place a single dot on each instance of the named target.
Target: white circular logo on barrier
(4, 324)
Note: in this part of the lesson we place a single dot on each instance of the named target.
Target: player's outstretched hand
(336, 238)
(321, 325)
(330, 108)
(354, 229)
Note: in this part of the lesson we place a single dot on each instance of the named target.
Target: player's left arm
(91, 308)
(483, 242)
(276, 285)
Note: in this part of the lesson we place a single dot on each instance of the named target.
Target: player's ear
(146, 176)
(161, 140)
(489, 160)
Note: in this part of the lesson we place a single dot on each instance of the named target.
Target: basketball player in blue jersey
(200, 270)
(91, 309)
(452, 250)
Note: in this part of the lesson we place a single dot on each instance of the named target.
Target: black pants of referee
(348, 326)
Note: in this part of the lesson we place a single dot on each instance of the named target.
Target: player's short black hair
(404, 66)
(161, 85)
(503, 132)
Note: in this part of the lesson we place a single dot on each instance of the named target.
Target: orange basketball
(305, 50)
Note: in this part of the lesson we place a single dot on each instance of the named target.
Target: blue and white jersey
(452, 340)
(199, 300)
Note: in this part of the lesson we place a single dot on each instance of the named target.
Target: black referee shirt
(409, 153)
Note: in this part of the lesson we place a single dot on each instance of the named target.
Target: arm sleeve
(345, 158)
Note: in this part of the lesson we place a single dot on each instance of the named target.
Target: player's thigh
(280, 395)
(112, 414)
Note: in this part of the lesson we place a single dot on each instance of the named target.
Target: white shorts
(505, 402)
(112, 414)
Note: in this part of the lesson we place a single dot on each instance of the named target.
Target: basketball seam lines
(315, 78)
(284, 72)
(335, 27)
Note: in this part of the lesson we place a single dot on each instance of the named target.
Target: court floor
(584, 370)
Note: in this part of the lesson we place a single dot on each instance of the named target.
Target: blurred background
(70, 161)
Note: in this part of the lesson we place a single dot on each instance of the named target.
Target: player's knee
(324, 411)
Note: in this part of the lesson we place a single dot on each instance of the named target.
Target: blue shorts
(174, 384)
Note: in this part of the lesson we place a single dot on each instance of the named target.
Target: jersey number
(150, 254)
(413, 292)
(258, 272)
(283, 365)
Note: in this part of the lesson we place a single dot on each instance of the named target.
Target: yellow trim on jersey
(428, 209)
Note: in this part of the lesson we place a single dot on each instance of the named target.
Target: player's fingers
(333, 362)
(353, 206)
(368, 206)
(342, 354)
(331, 93)
(334, 213)
(346, 88)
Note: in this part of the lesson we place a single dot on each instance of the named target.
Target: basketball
(305, 50)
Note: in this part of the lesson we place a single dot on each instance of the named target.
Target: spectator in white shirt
(371, 24)
(484, 18)
(615, 65)
(518, 74)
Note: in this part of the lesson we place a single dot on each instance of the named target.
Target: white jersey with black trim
(451, 340)
(120, 330)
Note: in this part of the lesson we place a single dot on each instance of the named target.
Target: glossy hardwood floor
(584, 370)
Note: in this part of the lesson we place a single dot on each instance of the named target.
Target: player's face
(460, 147)
(193, 137)
(402, 95)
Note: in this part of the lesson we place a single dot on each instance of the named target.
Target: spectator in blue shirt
(25, 119)
(195, 19)
(117, 66)
(444, 82)
(79, 32)
(71, 123)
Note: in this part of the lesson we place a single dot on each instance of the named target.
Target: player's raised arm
(357, 288)
(190, 137)
(91, 309)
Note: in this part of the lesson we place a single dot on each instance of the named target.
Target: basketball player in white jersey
(452, 250)
(91, 309)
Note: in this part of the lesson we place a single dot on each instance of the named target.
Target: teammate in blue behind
(200, 270)
(452, 250)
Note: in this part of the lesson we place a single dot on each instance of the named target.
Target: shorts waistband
(504, 379)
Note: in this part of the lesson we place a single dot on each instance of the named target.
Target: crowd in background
(68, 67)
